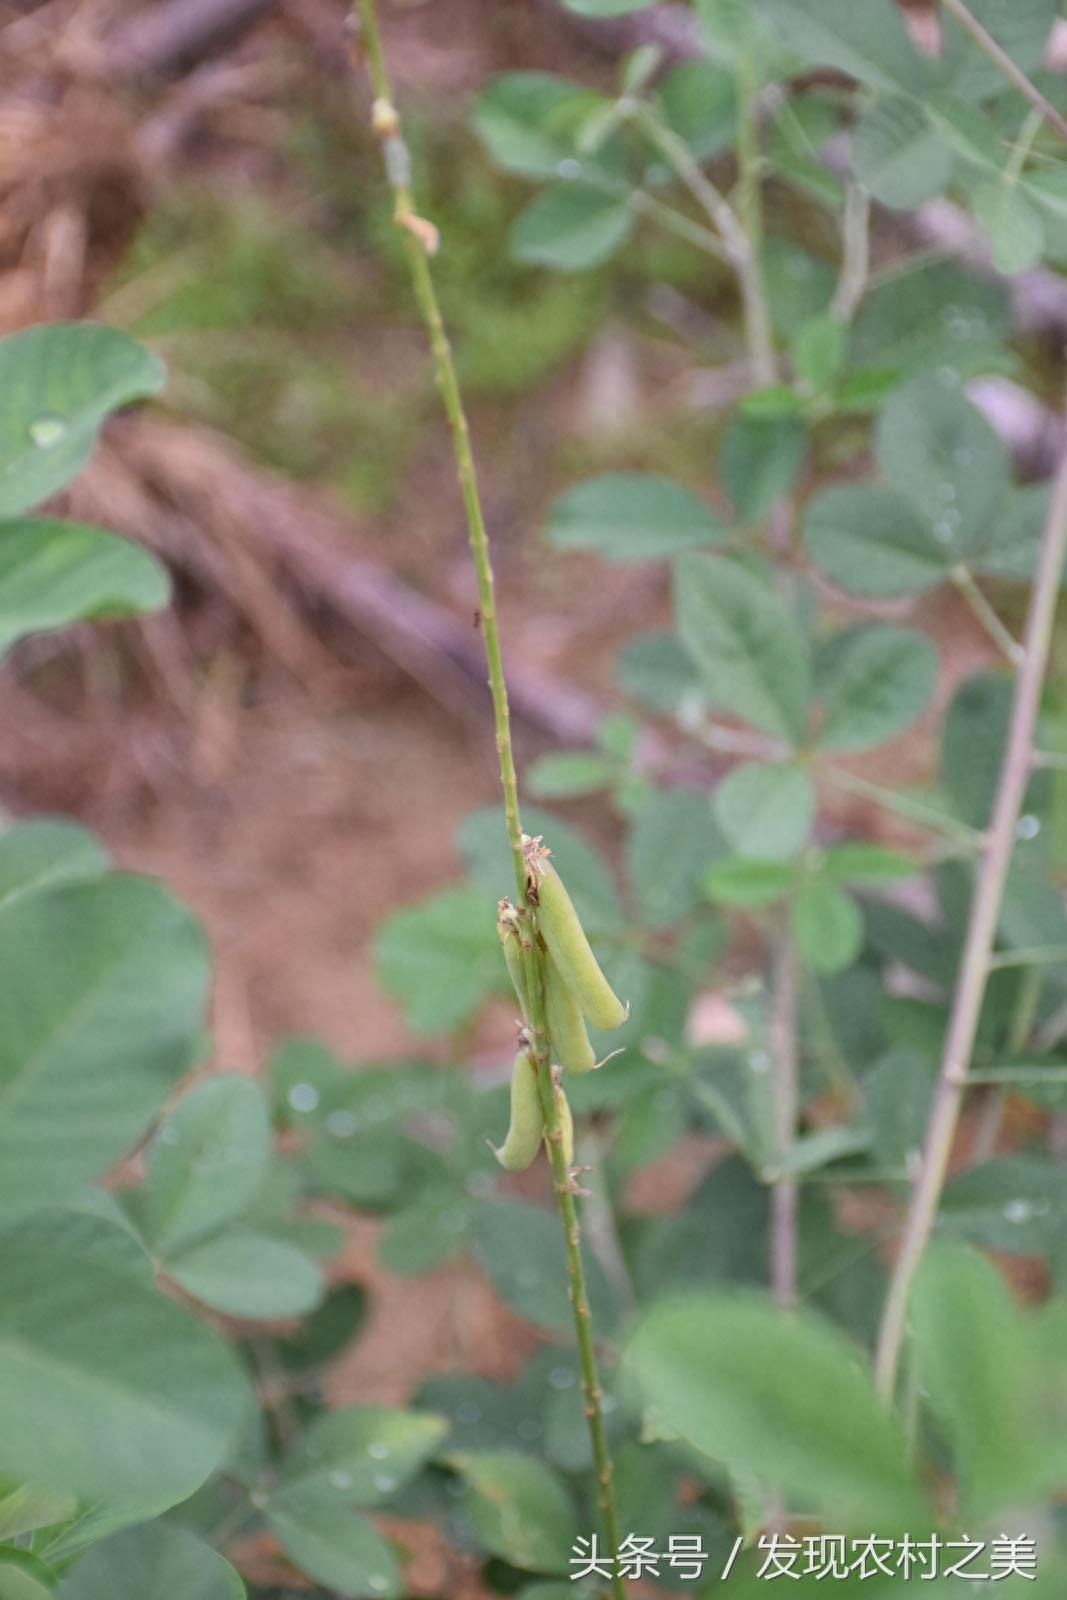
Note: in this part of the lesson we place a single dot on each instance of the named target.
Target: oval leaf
(784, 1397)
(207, 1161)
(632, 516)
(107, 983)
(750, 651)
(108, 1389)
(59, 384)
(880, 680)
(53, 574)
(157, 1559)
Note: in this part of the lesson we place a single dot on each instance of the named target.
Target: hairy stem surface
(420, 242)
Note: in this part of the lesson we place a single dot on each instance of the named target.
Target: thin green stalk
(906, 807)
(1004, 63)
(420, 241)
(1001, 636)
(982, 923)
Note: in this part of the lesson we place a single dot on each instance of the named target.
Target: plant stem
(740, 249)
(420, 240)
(1001, 60)
(784, 1071)
(855, 254)
(981, 932)
(1001, 636)
(905, 806)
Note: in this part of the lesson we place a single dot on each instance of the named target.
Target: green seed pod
(566, 1124)
(569, 948)
(567, 1036)
(507, 927)
(527, 1125)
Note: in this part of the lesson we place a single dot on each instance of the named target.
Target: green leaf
(656, 672)
(441, 959)
(1021, 28)
(361, 1456)
(931, 316)
(568, 775)
(1011, 223)
(107, 983)
(871, 541)
(570, 228)
(432, 1229)
(766, 810)
(783, 1396)
(698, 102)
(750, 651)
(247, 1274)
(24, 1509)
(520, 1247)
(820, 351)
(968, 131)
(943, 455)
(897, 156)
(671, 841)
(1012, 541)
(108, 1390)
(1016, 1204)
(632, 516)
(827, 927)
(898, 1090)
(866, 866)
(322, 1337)
(879, 682)
(748, 883)
(869, 43)
(528, 121)
(53, 574)
(518, 1508)
(973, 736)
(23, 1577)
(60, 382)
(97, 1231)
(973, 1360)
(737, 34)
(720, 1235)
(207, 1161)
(158, 1559)
(336, 1547)
(759, 459)
(44, 853)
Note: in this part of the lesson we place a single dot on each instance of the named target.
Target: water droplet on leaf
(47, 432)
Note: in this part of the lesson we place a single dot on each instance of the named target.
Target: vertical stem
(855, 254)
(750, 205)
(784, 1191)
(420, 240)
(981, 933)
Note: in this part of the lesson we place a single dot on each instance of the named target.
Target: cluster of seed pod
(575, 991)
